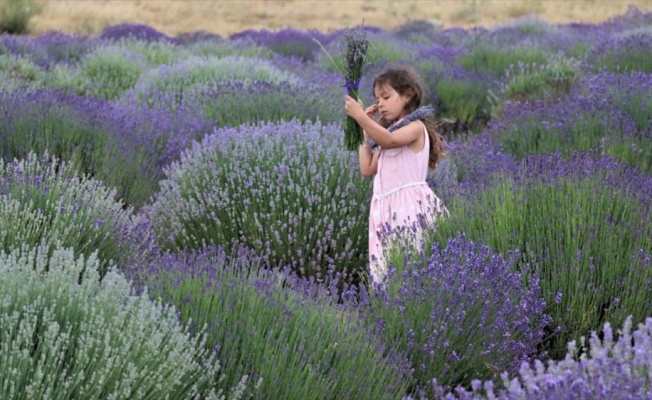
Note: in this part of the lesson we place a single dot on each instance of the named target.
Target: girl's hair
(406, 83)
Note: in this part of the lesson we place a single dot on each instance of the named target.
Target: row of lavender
(566, 235)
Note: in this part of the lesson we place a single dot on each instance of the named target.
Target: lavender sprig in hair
(420, 113)
(354, 61)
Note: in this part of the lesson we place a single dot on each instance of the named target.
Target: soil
(226, 17)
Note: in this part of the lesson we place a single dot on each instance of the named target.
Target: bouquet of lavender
(354, 61)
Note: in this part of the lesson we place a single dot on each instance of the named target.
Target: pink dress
(400, 195)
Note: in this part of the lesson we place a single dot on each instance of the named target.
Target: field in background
(226, 17)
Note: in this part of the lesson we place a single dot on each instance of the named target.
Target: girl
(399, 157)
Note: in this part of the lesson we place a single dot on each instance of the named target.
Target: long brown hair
(405, 81)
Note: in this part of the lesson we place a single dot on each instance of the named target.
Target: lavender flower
(353, 64)
(288, 42)
(460, 313)
(282, 188)
(612, 365)
(133, 31)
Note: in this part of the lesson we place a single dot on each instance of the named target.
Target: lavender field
(180, 219)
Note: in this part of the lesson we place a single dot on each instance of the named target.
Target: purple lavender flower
(133, 31)
(610, 366)
(461, 313)
(271, 167)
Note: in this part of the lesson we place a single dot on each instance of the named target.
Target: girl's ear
(409, 94)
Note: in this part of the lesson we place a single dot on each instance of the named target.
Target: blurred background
(225, 17)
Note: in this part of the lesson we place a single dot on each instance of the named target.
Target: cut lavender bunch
(355, 59)
(353, 62)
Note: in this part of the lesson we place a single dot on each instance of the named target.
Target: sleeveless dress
(400, 197)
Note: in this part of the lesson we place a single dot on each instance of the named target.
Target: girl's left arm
(383, 137)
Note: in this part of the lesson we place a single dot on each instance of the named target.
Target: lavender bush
(109, 71)
(68, 337)
(623, 53)
(580, 224)
(287, 42)
(123, 145)
(53, 48)
(612, 365)
(157, 53)
(232, 47)
(43, 201)
(495, 58)
(19, 68)
(607, 112)
(234, 103)
(460, 312)
(284, 189)
(528, 82)
(418, 31)
(183, 79)
(133, 31)
(461, 96)
(290, 336)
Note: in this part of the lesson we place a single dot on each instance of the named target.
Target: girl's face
(391, 104)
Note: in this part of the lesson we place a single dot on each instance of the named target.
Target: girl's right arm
(368, 159)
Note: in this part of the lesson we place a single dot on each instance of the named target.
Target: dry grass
(225, 17)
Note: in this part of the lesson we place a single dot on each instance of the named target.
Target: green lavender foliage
(64, 337)
(15, 15)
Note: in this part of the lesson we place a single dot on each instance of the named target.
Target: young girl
(400, 158)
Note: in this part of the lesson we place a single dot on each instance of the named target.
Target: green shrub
(110, 70)
(69, 338)
(15, 15)
(463, 100)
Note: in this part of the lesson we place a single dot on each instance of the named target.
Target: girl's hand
(371, 111)
(352, 108)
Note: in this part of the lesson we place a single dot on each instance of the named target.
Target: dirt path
(230, 16)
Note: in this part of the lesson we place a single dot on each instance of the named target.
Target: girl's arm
(385, 139)
(368, 159)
